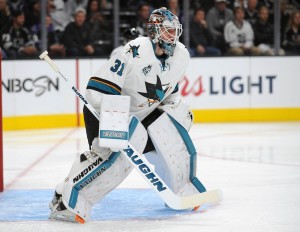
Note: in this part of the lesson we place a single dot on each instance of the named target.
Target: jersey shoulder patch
(136, 48)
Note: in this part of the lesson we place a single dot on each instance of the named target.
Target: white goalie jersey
(135, 71)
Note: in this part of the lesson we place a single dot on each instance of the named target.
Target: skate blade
(67, 218)
(79, 219)
(196, 208)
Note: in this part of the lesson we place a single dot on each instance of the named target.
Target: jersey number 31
(118, 67)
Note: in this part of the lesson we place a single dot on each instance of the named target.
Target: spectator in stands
(143, 14)
(94, 15)
(251, 12)
(173, 6)
(72, 5)
(60, 19)
(17, 6)
(292, 35)
(55, 47)
(76, 37)
(5, 21)
(33, 14)
(264, 33)
(268, 3)
(241, 3)
(216, 19)
(239, 35)
(287, 7)
(204, 4)
(99, 34)
(295, 3)
(290, 6)
(106, 4)
(93, 9)
(18, 41)
(3, 53)
(5, 17)
(200, 37)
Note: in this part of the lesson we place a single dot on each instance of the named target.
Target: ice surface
(256, 165)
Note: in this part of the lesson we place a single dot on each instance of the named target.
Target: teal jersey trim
(102, 87)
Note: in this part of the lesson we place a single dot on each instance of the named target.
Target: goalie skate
(61, 213)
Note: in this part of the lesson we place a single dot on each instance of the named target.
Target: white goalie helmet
(164, 28)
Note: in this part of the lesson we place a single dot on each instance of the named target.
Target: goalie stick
(144, 168)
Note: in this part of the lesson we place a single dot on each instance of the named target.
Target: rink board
(243, 89)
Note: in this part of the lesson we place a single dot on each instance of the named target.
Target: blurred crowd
(78, 28)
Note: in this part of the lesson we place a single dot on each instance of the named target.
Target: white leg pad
(181, 112)
(174, 161)
(90, 180)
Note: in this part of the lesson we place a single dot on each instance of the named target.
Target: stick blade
(212, 196)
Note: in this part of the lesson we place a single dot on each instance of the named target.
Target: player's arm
(108, 80)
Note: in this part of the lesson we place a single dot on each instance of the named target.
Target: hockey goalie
(136, 94)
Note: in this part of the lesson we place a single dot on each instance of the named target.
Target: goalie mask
(164, 28)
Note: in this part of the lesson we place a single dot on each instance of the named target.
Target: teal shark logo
(155, 92)
(134, 50)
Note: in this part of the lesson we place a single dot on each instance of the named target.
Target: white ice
(257, 166)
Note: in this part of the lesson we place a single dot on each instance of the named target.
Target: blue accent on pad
(193, 155)
(132, 125)
(91, 177)
(103, 87)
(99, 170)
(120, 204)
(109, 134)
